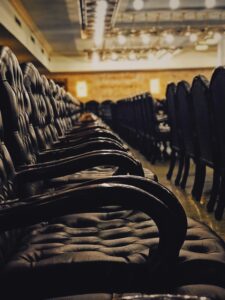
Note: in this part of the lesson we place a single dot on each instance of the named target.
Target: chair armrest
(70, 143)
(83, 199)
(87, 135)
(62, 167)
(80, 149)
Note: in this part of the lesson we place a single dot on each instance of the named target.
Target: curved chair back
(92, 106)
(185, 117)
(217, 106)
(16, 110)
(172, 116)
(200, 100)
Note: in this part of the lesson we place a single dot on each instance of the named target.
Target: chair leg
(186, 172)
(214, 191)
(197, 167)
(154, 153)
(172, 165)
(180, 169)
(199, 182)
(221, 201)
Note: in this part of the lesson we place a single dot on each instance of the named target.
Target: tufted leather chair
(175, 139)
(205, 136)
(87, 244)
(105, 249)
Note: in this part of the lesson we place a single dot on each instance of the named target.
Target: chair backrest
(92, 106)
(39, 114)
(172, 116)
(16, 111)
(50, 117)
(217, 106)
(150, 116)
(203, 125)
(185, 117)
(56, 107)
(106, 111)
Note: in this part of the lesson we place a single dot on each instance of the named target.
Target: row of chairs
(196, 116)
(142, 122)
(68, 226)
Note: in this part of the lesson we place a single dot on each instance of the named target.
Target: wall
(116, 85)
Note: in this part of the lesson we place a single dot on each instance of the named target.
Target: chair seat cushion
(90, 174)
(106, 251)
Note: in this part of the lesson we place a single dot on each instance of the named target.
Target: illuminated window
(155, 86)
(81, 89)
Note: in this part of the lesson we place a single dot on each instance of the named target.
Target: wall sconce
(154, 86)
(81, 89)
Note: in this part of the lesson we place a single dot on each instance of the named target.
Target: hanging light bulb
(114, 56)
(193, 37)
(210, 3)
(138, 4)
(169, 38)
(217, 37)
(201, 47)
(174, 4)
(132, 55)
(121, 39)
(95, 57)
(145, 38)
(151, 56)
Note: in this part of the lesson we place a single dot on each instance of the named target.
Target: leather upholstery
(101, 241)
(15, 106)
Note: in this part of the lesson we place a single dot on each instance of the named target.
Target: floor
(193, 209)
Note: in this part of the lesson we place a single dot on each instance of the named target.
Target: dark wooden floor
(193, 209)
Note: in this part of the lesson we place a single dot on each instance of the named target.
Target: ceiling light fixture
(151, 56)
(201, 47)
(114, 56)
(169, 38)
(138, 4)
(174, 4)
(210, 3)
(121, 39)
(193, 37)
(99, 25)
(217, 36)
(95, 58)
(145, 38)
(132, 55)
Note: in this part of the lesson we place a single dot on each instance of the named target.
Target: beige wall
(116, 85)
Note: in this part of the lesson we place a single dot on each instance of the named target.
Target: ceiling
(67, 28)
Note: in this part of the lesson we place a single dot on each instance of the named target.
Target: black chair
(92, 106)
(205, 139)
(217, 105)
(187, 130)
(95, 245)
(104, 249)
(106, 112)
(176, 141)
